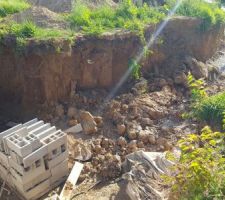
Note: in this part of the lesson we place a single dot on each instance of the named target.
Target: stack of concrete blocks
(33, 158)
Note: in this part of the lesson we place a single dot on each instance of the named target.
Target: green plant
(200, 172)
(209, 12)
(126, 16)
(135, 69)
(12, 6)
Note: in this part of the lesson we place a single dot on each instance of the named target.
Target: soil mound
(42, 17)
(65, 6)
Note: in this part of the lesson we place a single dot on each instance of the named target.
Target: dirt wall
(47, 71)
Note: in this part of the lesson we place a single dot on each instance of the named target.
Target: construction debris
(33, 158)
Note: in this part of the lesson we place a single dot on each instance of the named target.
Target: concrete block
(38, 191)
(35, 125)
(32, 183)
(55, 140)
(60, 158)
(59, 171)
(27, 176)
(34, 156)
(41, 129)
(4, 160)
(29, 123)
(4, 173)
(5, 134)
(46, 133)
(19, 145)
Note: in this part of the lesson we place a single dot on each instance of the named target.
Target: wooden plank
(71, 182)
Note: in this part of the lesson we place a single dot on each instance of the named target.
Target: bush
(209, 12)
(200, 172)
(12, 6)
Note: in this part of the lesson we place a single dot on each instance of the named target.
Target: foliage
(209, 12)
(126, 16)
(12, 6)
(200, 172)
(210, 109)
(135, 69)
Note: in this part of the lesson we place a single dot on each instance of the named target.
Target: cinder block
(41, 129)
(59, 171)
(6, 134)
(4, 173)
(46, 133)
(36, 155)
(29, 176)
(32, 183)
(38, 191)
(4, 160)
(19, 145)
(34, 158)
(55, 140)
(29, 123)
(57, 160)
(35, 125)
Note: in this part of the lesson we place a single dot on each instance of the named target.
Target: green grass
(209, 12)
(12, 6)
(211, 109)
(127, 16)
(28, 30)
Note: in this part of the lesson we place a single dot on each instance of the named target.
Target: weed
(135, 69)
(12, 6)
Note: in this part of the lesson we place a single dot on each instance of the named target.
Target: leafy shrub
(135, 69)
(12, 6)
(209, 12)
(200, 172)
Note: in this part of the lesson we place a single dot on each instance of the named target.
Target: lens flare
(141, 54)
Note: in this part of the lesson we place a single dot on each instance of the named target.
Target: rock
(72, 113)
(143, 136)
(141, 87)
(59, 110)
(181, 79)
(132, 144)
(105, 143)
(156, 112)
(140, 144)
(121, 128)
(151, 139)
(88, 123)
(97, 149)
(164, 144)
(99, 121)
(198, 69)
(122, 142)
(72, 122)
(146, 122)
(132, 134)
